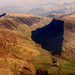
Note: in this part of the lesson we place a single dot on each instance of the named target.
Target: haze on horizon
(23, 6)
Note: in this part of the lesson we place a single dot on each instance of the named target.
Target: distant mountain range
(57, 8)
(38, 7)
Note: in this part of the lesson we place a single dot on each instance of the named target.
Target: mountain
(55, 7)
(24, 49)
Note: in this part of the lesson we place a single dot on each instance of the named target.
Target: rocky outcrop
(41, 72)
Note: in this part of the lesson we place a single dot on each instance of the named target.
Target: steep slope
(57, 37)
(69, 37)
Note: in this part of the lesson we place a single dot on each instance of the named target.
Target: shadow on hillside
(2, 15)
(50, 37)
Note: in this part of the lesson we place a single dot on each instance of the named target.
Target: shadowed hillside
(58, 37)
(50, 36)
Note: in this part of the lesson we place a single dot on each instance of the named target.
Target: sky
(23, 6)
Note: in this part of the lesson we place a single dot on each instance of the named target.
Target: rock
(41, 72)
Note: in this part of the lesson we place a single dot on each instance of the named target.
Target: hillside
(16, 46)
(58, 37)
(27, 52)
